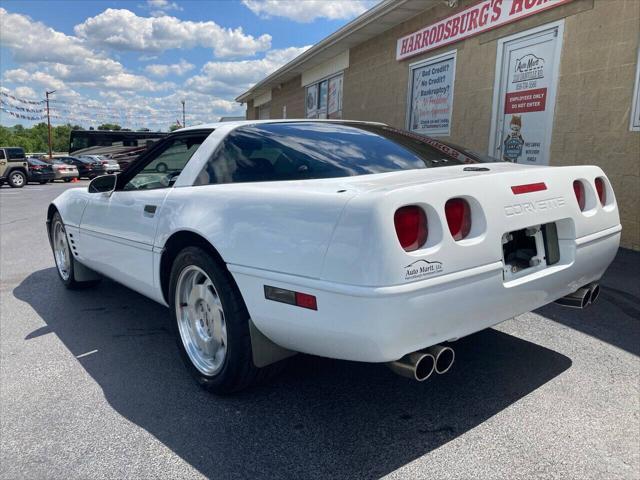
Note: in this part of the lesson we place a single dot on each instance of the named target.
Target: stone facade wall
(290, 94)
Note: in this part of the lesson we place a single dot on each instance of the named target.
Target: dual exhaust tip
(420, 365)
(581, 298)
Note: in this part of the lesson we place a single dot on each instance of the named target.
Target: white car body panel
(335, 239)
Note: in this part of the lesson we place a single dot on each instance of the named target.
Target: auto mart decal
(421, 269)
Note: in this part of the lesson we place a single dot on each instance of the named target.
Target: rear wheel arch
(172, 247)
(265, 353)
(51, 211)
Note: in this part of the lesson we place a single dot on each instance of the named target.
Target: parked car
(14, 168)
(39, 171)
(87, 167)
(348, 240)
(110, 165)
(62, 169)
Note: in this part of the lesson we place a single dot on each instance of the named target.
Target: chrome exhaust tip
(595, 292)
(417, 365)
(578, 299)
(445, 356)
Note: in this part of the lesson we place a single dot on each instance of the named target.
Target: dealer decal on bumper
(421, 268)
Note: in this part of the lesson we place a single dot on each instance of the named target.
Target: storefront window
(430, 99)
(324, 99)
(334, 108)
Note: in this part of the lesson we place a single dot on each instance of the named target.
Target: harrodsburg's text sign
(472, 21)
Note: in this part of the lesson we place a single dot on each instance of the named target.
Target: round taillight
(458, 215)
(578, 189)
(602, 191)
(411, 227)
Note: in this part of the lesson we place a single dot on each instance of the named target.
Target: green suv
(13, 167)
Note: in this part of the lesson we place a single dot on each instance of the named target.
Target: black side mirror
(103, 184)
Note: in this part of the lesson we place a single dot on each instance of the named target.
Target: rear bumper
(380, 324)
(41, 177)
(60, 175)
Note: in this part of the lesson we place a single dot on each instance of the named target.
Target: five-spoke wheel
(61, 252)
(201, 320)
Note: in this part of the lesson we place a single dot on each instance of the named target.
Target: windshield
(308, 150)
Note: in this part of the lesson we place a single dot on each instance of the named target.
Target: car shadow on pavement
(615, 317)
(320, 419)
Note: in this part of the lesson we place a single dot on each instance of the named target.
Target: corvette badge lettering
(534, 207)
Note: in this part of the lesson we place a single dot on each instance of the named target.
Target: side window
(241, 158)
(163, 169)
(1, 154)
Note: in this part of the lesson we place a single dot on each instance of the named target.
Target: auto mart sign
(474, 20)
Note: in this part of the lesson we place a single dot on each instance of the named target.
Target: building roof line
(378, 11)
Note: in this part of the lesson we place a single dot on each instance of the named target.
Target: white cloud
(48, 59)
(42, 79)
(232, 78)
(26, 92)
(160, 8)
(51, 59)
(131, 82)
(121, 29)
(309, 10)
(162, 70)
(35, 42)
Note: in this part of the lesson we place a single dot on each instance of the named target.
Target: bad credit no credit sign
(479, 18)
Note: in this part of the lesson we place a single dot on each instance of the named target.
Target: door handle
(150, 209)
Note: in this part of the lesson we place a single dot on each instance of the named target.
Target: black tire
(161, 167)
(237, 371)
(70, 282)
(17, 179)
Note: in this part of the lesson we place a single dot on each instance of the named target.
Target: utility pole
(184, 123)
(49, 122)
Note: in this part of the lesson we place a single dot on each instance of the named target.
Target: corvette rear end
(348, 240)
(422, 257)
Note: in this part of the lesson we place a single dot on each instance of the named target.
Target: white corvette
(348, 240)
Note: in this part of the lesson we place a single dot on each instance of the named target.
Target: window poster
(311, 101)
(431, 95)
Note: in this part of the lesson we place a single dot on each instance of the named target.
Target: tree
(109, 126)
(35, 139)
(173, 127)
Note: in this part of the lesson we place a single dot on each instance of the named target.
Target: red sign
(486, 15)
(526, 101)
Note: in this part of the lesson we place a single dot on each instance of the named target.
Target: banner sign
(431, 95)
(474, 20)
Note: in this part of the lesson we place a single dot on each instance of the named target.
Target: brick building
(548, 82)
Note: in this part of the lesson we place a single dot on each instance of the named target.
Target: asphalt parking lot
(91, 386)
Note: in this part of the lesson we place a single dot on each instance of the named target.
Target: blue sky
(131, 62)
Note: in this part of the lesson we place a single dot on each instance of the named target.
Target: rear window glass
(310, 150)
(35, 161)
(15, 153)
